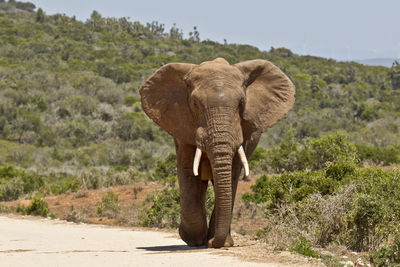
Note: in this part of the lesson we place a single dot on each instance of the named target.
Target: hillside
(75, 143)
(387, 62)
(69, 91)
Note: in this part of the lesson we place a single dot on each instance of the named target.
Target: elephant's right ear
(165, 100)
(269, 95)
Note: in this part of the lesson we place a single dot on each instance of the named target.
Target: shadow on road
(172, 248)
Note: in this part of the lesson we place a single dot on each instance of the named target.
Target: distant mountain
(387, 62)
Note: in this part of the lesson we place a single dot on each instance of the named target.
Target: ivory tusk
(243, 158)
(196, 162)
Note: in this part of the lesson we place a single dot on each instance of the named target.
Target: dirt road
(27, 241)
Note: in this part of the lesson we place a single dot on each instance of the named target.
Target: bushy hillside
(69, 91)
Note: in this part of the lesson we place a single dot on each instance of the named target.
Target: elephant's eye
(195, 103)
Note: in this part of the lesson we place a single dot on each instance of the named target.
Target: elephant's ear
(165, 100)
(269, 95)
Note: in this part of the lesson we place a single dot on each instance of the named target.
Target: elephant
(216, 113)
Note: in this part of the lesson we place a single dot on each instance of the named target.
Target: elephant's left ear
(165, 100)
(269, 95)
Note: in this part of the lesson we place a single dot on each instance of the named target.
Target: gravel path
(27, 241)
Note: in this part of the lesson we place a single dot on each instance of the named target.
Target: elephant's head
(219, 108)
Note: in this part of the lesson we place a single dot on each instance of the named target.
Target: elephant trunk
(221, 162)
(221, 143)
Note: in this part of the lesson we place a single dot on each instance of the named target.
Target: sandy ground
(29, 241)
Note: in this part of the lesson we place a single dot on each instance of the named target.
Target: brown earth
(83, 205)
(131, 199)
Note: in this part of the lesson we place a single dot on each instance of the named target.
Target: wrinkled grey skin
(216, 107)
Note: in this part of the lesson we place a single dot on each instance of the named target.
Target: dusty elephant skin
(214, 111)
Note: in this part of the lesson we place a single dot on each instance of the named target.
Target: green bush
(315, 154)
(77, 104)
(285, 156)
(374, 213)
(63, 184)
(166, 167)
(210, 201)
(15, 182)
(290, 187)
(8, 171)
(130, 100)
(331, 148)
(133, 125)
(364, 219)
(165, 210)
(302, 246)
(91, 179)
(257, 159)
(388, 255)
(4, 209)
(358, 208)
(38, 207)
(32, 182)
(379, 155)
(338, 171)
(12, 189)
(109, 205)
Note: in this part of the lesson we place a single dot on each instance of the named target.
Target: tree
(394, 74)
(175, 33)
(96, 20)
(40, 16)
(26, 122)
(195, 35)
(27, 6)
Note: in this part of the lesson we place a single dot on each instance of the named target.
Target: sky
(338, 29)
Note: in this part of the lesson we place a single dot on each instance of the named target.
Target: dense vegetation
(329, 201)
(69, 100)
(341, 205)
(70, 118)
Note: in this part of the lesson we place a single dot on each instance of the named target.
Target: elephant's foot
(228, 242)
(193, 240)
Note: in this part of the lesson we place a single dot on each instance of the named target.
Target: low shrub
(73, 215)
(388, 255)
(38, 207)
(11, 189)
(302, 246)
(257, 159)
(15, 182)
(4, 209)
(291, 187)
(374, 213)
(379, 155)
(165, 209)
(91, 179)
(109, 206)
(338, 171)
(314, 154)
(64, 184)
(358, 208)
(20, 209)
(317, 153)
(335, 148)
(166, 167)
(96, 178)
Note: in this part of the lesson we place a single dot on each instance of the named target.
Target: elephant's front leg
(193, 227)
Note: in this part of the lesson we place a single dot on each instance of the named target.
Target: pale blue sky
(340, 29)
